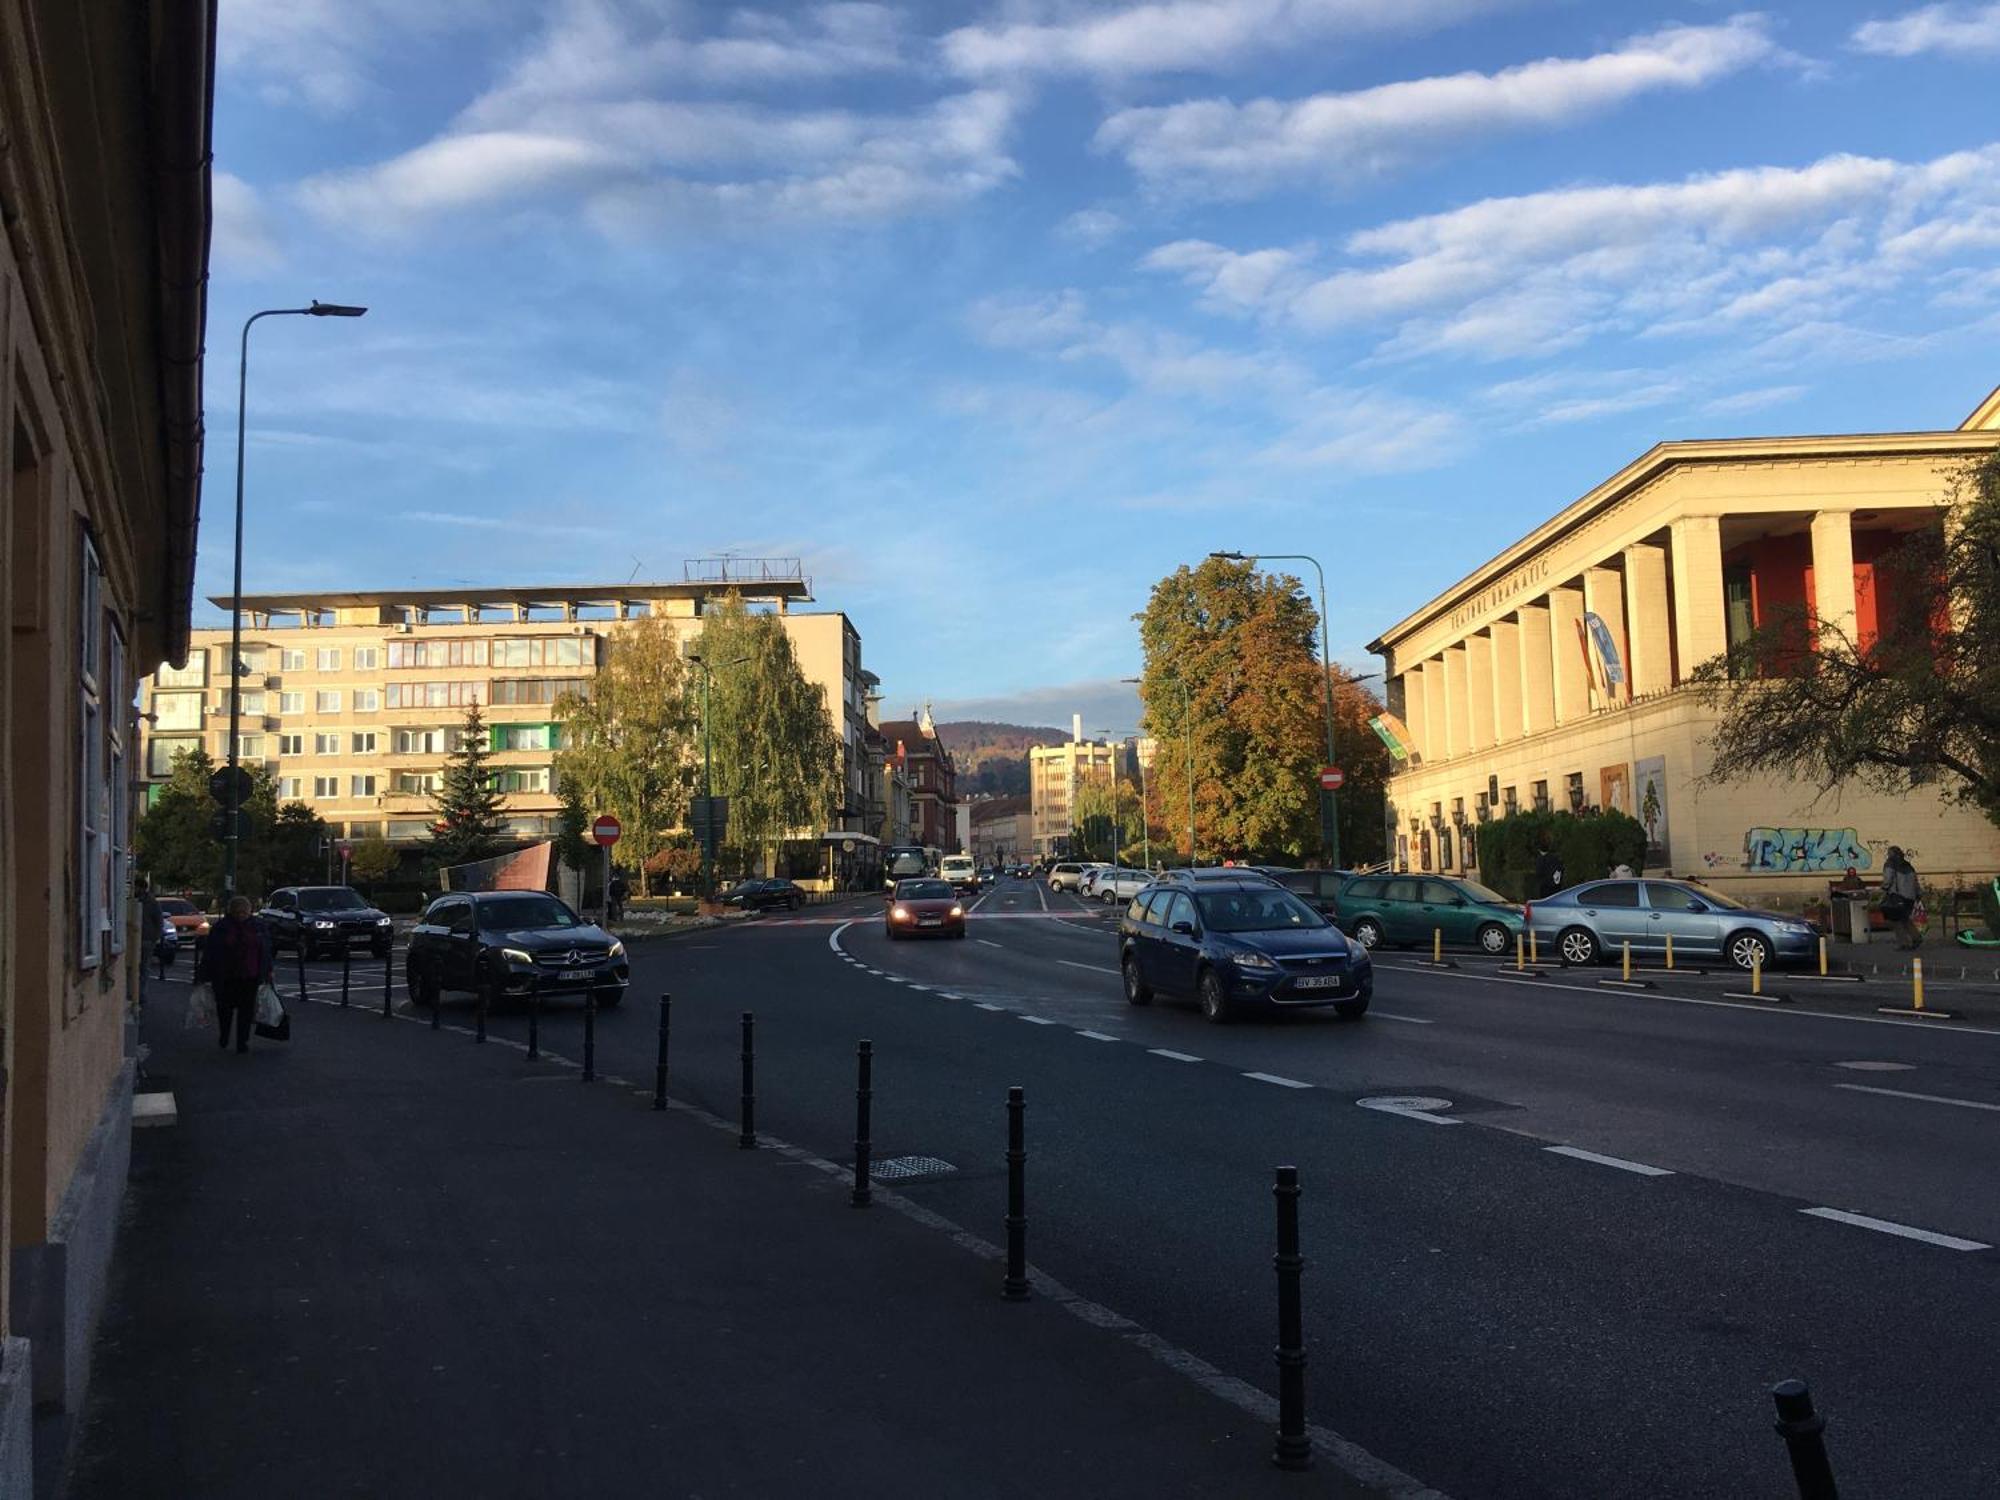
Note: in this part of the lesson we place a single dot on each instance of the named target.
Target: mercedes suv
(516, 945)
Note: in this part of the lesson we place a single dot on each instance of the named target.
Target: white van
(960, 871)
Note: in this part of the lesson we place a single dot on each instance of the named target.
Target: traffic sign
(1331, 777)
(218, 825)
(343, 849)
(219, 784)
(708, 819)
(606, 829)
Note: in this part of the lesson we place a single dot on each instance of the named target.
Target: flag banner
(1607, 649)
(1389, 729)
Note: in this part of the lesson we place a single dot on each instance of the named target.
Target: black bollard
(1801, 1427)
(660, 1066)
(590, 1036)
(534, 1025)
(864, 1096)
(388, 980)
(479, 1014)
(1015, 1287)
(346, 961)
(1294, 1448)
(747, 1136)
(301, 950)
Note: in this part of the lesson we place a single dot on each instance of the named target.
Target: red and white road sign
(606, 829)
(343, 849)
(1331, 777)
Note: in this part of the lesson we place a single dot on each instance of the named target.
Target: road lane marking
(1609, 1161)
(1100, 1036)
(982, 1005)
(987, 941)
(1410, 1108)
(1390, 1015)
(1038, 1020)
(949, 995)
(1863, 1088)
(1878, 1067)
(1172, 1055)
(1904, 1231)
(1071, 963)
(1283, 1083)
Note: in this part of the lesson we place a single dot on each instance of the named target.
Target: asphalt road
(1495, 1316)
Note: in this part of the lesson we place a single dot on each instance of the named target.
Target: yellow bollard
(1916, 984)
(1670, 950)
(1437, 945)
(1626, 965)
(1822, 958)
(1757, 974)
(1533, 957)
(1520, 950)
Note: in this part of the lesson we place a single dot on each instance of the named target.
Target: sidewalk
(381, 1261)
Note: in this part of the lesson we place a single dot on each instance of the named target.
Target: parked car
(959, 871)
(924, 908)
(1120, 885)
(764, 895)
(1238, 943)
(1594, 921)
(512, 945)
(1092, 873)
(1319, 889)
(189, 922)
(1065, 875)
(325, 919)
(1381, 909)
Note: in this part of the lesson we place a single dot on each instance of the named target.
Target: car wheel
(1368, 933)
(1350, 1010)
(1136, 991)
(1493, 938)
(1578, 947)
(1214, 999)
(1747, 950)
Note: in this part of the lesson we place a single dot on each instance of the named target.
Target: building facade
(932, 780)
(104, 232)
(1502, 683)
(1003, 829)
(1055, 773)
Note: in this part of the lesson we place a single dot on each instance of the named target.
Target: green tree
(176, 846)
(467, 823)
(372, 860)
(295, 852)
(777, 754)
(1242, 643)
(628, 746)
(1364, 797)
(1803, 700)
(573, 847)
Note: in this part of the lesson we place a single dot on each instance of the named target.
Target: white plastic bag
(201, 1006)
(270, 1009)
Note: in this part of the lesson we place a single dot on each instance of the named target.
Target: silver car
(1594, 921)
(1119, 885)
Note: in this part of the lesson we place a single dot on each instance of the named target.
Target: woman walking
(236, 960)
(1899, 897)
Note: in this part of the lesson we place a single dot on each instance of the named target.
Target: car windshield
(517, 913)
(1712, 896)
(175, 906)
(1486, 894)
(902, 862)
(923, 890)
(329, 898)
(1255, 911)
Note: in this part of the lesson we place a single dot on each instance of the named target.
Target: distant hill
(992, 758)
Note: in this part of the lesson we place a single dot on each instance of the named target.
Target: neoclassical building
(1502, 686)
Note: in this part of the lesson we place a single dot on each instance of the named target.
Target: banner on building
(1614, 788)
(1607, 649)
(1391, 731)
(526, 869)
(1649, 779)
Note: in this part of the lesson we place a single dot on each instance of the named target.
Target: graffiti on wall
(1792, 849)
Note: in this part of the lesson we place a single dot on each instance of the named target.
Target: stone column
(1700, 626)
(1507, 722)
(1414, 716)
(1479, 690)
(1434, 709)
(1604, 596)
(1651, 659)
(1833, 570)
(1538, 683)
(1457, 720)
(1568, 665)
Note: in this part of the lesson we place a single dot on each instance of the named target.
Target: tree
(373, 859)
(467, 823)
(1802, 699)
(175, 841)
(1364, 796)
(628, 744)
(573, 848)
(295, 852)
(777, 754)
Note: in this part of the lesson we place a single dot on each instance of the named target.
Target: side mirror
(1697, 906)
(1185, 929)
(1458, 900)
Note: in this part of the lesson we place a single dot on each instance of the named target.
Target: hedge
(1590, 847)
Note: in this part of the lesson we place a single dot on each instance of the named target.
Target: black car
(512, 944)
(1319, 889)
(325, 919)
(764, 895)
(1233, 944)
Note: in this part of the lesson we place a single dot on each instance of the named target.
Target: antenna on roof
(636, 566)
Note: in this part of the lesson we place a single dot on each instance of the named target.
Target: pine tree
(467, 823)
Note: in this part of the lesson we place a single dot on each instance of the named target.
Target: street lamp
(1329, 804)
(1187, 724)
(233, 834)
(692, 651)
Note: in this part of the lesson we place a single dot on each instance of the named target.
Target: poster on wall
(1614, 788)
(1650, 779)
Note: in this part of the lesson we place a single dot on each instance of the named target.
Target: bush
(1590, 847)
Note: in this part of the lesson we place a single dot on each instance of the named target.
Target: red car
(924, 908)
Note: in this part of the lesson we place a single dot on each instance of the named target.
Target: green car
(1407, 909)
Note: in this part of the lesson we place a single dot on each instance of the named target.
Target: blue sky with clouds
(993, 314)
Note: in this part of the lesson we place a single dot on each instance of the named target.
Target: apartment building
(104, 232)
(1002, 829)
(353, 701)
(1055, 773)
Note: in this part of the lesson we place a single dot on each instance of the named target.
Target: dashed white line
(1070, 963)
(1099, 1036)
(1863, 1088)
(1903, 1231)
(1283, 1083)
(1390, 1015)
(979, 1004)
(1609, 1161)
(1173, 1056)
(1038, 1021)
(988, 942)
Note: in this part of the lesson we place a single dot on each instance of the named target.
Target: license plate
(569, 974)
(930, 921)
(1319, 982)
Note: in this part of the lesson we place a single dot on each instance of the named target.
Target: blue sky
(994, 314)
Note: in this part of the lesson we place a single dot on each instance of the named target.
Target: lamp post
(1329, 804)
(233, 834)
(1187, 724)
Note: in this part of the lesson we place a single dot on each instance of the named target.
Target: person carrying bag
(1899, 897)
(236, 960)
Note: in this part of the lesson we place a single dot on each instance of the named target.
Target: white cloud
(1227, 149)
(1958, 30)
(1758, 399)
(241, 237)
(1559, 398)
(1118, 41)
(321, 53)
(1091, 228)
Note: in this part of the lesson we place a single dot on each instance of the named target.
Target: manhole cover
(903, 1168)
(1403, 1103)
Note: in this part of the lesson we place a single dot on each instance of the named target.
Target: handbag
(201, 1006)
(272, 1020)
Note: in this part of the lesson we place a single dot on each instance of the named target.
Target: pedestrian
(1899, 898)
(236, 960)
(614, 906)
(153, 922)
(1851, 881)
(1621, 871)
(1548, 870)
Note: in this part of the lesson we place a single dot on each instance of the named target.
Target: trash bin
(1850, 915)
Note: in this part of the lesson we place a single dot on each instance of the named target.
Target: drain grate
(903, 1168)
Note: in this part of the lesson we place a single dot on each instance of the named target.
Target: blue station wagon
(1594, 921)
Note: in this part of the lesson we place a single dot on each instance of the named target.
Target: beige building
(104, 231)
(354, 700)
(1055, 772)
(1503, 685)
(1002, 830)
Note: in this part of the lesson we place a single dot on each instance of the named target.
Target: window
(361, 786)
(291, 661)
(367, 659)
(404, 654)
(328, 659)
(291, 703)
(526, 737)
(420, 741)
(326, 744)
(1179, 909)
(1437, 893)
(435, 694)
(326, 786)
(251, 662)
(291, 744)
(252, 703)
(367, 700)
(248, 746)
(535, 779)
(160, 755)
(194, 674)
(536, 689)
(544, 651)
(415, 783)
(1402, 890)
(362, 743)
(118, 692)
(93, 907)
(1541, 796)
(1611, 893)
(288, 788)
(327, 700)
(176, 711)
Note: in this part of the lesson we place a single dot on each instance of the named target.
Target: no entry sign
(606, 829)
(1331, 777)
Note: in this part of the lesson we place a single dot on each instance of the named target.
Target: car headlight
(1792, 926)
(1354, 948)
(900, 914)
(1251, 960)
(323, 926)
(617, 950)
(516, 956)
(201, 931)
(958, 911)
(384, 921)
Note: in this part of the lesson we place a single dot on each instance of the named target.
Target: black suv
(1235, 943)
(501, 944)
(765, 895)
(325, 919)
